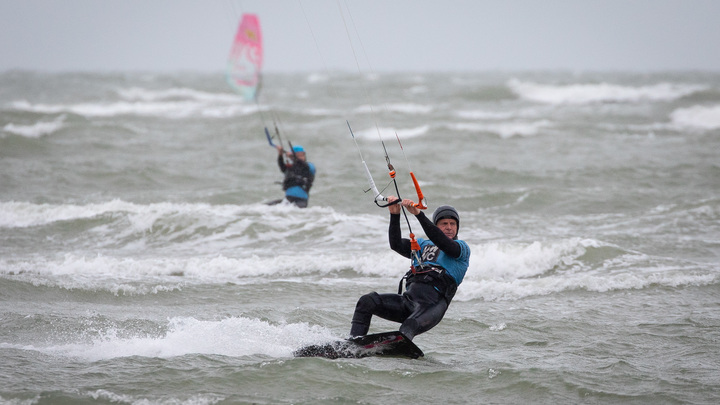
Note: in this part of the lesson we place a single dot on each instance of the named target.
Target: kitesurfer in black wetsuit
(430, 284)
(299, 176)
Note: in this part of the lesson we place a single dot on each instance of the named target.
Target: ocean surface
(140, 265)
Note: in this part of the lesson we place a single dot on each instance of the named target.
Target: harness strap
(432, 275)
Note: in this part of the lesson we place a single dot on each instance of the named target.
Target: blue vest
(455, 267)
(297, 191)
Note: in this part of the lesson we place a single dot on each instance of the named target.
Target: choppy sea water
(139, 265)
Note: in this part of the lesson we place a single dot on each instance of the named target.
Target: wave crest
(600, 92)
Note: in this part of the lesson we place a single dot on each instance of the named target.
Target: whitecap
(404, 108)
(503, 129)
(142, 94)
(511, 271)
(36, 130)
(408, 108)
(697, 117)
(171, 103)
(600, 92)
(169, 109)
(389, 132)
(317, 78)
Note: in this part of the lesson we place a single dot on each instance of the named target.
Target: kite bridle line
(277, 132)
(414, 245)
(255, 95)
(275, 120)
(373, 187)
(378, 197)
(421, 204)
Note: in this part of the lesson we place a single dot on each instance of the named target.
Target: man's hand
(410, 206)
(394, 208)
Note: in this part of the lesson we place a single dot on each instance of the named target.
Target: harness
(435, 276)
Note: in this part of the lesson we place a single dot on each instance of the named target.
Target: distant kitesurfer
(430, 285)
(299, 176)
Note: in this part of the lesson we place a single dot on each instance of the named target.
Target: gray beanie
(446, 211)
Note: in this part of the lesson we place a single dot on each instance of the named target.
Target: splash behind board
(380, 344)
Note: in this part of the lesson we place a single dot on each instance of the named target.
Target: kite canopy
(246, 56)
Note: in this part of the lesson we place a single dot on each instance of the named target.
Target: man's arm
(450, 247)
(397, 243)
(280, 160)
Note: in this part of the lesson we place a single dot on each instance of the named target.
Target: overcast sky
(310, 35)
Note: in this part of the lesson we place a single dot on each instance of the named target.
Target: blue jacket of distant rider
(299, 177)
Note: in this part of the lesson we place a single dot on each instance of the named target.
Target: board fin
(379, 344)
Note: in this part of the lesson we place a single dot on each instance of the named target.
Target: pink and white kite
(246, 56)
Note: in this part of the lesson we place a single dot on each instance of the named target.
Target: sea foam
(600, 92)
(36, 130)
(172, 103)
(697, 117)
(236, 337)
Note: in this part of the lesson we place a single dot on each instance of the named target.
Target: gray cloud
(168, 35)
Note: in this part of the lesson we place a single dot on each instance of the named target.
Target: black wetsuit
(299, 178)
(427, 294)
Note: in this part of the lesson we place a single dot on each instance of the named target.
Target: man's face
(299, 155)
(448, 226)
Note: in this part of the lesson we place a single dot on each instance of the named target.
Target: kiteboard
(393, 344)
